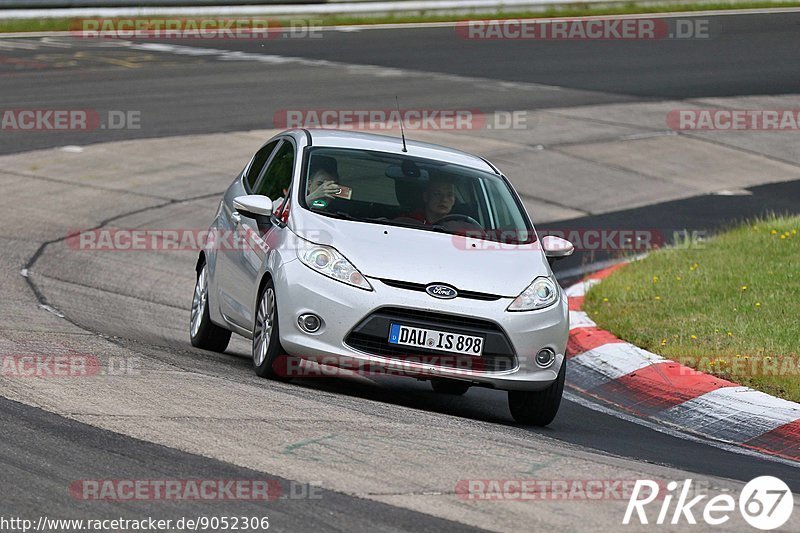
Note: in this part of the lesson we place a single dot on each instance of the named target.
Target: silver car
(366, 254)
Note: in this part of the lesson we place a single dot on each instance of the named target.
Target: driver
(438, 199)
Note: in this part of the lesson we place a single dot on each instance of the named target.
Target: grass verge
(573, 10)
(730, 308)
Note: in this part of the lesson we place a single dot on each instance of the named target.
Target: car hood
(419, 256)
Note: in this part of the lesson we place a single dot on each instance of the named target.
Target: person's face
(316, 181)
(440, 198)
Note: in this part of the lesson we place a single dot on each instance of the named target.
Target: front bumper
(343, 309)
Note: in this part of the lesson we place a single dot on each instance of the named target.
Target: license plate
(432, 339)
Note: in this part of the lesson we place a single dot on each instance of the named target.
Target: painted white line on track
(53, 310)
(667, 430)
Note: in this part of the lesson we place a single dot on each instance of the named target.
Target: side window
(259, 160)
(277, 177)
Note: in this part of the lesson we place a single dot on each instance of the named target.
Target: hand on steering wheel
(458, 218)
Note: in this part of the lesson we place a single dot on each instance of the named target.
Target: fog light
(309, 323)
(545, 357)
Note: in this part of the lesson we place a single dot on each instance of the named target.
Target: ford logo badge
(445, 292)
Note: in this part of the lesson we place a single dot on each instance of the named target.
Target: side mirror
(253, 206)
(556, 248)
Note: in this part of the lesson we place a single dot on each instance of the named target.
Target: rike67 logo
(765, 503)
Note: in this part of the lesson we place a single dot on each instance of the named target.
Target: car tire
(538, 408)
(266, 337)
(202, 332)
(450, 386)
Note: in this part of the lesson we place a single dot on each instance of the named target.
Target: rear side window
(257, 165)
(277, 177)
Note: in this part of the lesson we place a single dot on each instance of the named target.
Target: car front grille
(371, 336)
(420, 287)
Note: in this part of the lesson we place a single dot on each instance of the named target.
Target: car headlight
(543, 292)
(329, 262)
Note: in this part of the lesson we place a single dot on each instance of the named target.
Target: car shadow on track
(479, 403)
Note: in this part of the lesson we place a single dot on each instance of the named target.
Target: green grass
(572, 10)
(730, 307)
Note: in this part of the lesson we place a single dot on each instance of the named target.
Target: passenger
(323, 178)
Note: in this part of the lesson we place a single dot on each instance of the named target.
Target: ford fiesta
(362, 251)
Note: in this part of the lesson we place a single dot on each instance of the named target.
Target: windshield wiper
(345, 216)
(383, 220)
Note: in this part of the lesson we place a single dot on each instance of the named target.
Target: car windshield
(407, 191)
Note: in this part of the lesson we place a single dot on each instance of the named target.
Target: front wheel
(202, 332)
(538, 408)
(266, 338)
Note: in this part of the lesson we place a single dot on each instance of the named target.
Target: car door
(245, 262)
(229, 255)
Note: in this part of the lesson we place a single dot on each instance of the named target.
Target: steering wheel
(458, 218)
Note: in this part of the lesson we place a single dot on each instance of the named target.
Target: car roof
(385, 143)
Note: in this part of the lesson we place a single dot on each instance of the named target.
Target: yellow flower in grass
(730, 334)
(605, 299)
(658, 298)
(774, 232)
(744, 287)
(783, 236)
(794, 232)
(758, 304)
(678, 278)
(663, 342)
(694, 337)
(655, 279)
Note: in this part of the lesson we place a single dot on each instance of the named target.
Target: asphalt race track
(744, 55)
(386, 452)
